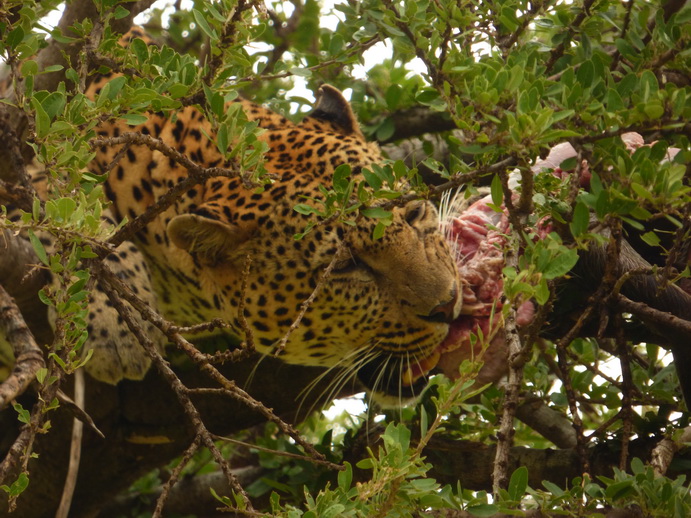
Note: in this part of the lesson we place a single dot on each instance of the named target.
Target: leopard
(379, 307)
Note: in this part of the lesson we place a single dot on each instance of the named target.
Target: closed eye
(347, 265)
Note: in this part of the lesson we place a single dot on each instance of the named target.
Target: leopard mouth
(420, 368)
(458, 334)
(476, 237)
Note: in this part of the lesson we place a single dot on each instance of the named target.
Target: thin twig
(279, 348)
(175, 475)
(627, 389)
(109, 283)
(320, 462)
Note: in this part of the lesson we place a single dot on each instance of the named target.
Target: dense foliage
(497, 84)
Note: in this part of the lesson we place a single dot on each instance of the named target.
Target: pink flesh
(480, 261)
(478, 235)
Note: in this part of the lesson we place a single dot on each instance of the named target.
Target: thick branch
(28, 356)
(417, 121)
(450, 460)
(22, 280)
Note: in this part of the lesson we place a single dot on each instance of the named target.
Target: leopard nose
(446, 312)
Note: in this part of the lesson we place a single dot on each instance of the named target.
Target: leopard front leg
(117, 353)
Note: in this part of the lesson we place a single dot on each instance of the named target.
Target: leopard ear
(333, 109)
(210, 240)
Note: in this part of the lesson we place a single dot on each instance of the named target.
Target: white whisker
(348, 366)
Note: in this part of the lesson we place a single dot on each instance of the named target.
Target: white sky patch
(51, 20)
(167, 10)
(354, 405)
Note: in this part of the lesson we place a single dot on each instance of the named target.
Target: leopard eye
(347, 265)
(414, 212)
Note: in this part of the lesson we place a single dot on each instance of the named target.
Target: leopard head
(385, 306)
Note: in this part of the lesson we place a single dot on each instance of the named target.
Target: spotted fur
(385, 307)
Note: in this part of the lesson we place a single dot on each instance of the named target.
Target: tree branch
(27, 354)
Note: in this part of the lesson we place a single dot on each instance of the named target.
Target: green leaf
(586, 73)
(210, 9)
(569, 163)
(654, 109)
(24, 416)
(400, 169)
(134, 119)
(18, 486)
(215, 101)
(29, 68)
(561, 264)
(393, 96)
(116, 85)
(614, 100)
(42, 119)
(427, 96)
(38, 247)
(223, 499)
(222, 139)
(200, 19)
(651, 238)
(497, 191)
(52, 68)
(72, 75)
(178, 90)
(637, 466)
(376, 213)
(620, 489)
(305, 209)
(54, 104)
(475, 149)
(625, 48)
(372, 179)
(300, 71)
(66, 207)
(518, 484)
(483, 510)
(386, 130)
(424, 425)
(41, 374)
(648, 84)
(365, 464)
(553, 488)
(580, 220)
(627, 85)
(341, 178)
(379, 230)
(140, 49)
(345, 477)
(44, 298)
(120, 12)
(15, 37)
(515, 78)
(542, 292)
